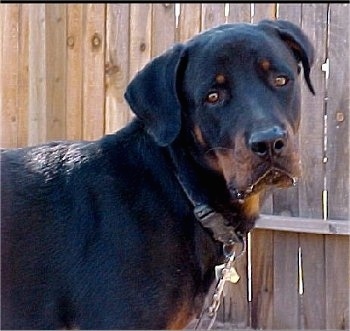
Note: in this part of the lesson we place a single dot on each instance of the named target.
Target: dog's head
(234, 91)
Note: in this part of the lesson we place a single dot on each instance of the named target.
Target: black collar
(198, 195)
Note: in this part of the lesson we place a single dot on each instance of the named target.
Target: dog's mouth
(273, 177)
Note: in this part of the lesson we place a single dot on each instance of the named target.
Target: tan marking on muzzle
(198, 135)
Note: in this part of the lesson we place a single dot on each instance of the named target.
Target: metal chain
(213, 308)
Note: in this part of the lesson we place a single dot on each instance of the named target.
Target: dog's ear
(152, 96)
(298, 42)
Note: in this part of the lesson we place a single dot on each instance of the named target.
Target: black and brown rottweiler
(103, 234)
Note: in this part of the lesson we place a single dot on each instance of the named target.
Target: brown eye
(213, 97)
(281, 81)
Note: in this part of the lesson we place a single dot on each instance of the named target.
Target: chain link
(230, 257)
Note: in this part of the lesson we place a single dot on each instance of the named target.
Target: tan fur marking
(181, 318)
(220, 79)
(198, 135)
(265, 65)
(251, 206)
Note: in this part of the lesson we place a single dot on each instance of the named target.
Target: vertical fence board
(94, 65)
(23, 79)
(55, 70)
(262, 279)
(189, 21)
(9, 75)
(338, 164)
(163, 27)
(140, 36)
(239, 12)
(312, 302)
(74, 80)
(37, 75)
(285, 305)
(314, 24)
(212, 15)
(337, 282)
(117, 66)
(337, 247)
(263, 11)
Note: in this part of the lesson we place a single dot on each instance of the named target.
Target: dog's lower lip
(272, 177)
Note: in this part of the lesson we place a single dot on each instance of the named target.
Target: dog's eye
(281, 81)
(213, 97)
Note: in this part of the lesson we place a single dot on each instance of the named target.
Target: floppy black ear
(298, 42)
(153, 98)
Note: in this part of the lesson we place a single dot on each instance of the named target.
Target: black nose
(271, 141)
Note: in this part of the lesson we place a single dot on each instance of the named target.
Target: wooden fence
(64, 69)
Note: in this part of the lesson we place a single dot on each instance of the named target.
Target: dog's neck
(195, 187)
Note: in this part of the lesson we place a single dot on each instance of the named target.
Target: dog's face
(234, 91)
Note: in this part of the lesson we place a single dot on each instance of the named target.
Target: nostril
(278, 146)
(260, 148)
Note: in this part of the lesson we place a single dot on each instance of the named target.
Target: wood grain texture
(262, 279)
(163, 27)
(74, 75)
(93, 75)
(37, 114)
(55, 70)
(213, 14)
(118, 113)
(338, 139)
(9, 43)
(140, 36)
(239, 12)
(189, 21)
(23, 77)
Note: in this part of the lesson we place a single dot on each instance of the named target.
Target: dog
(114, 233)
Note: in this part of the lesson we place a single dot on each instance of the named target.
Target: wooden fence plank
(262, 279)
(337, 282)
(337, 168)
(9, 73)
(37, 75)
(117, 66)
(285, 302)
(264, 11)
(212, 15)
(55, 70)
(163, 27)
(189, 21)
(140, 36)
(239, 12)
(94, 65)
(23, 79)
(314, 25)
(74, 80)
(338, 165)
